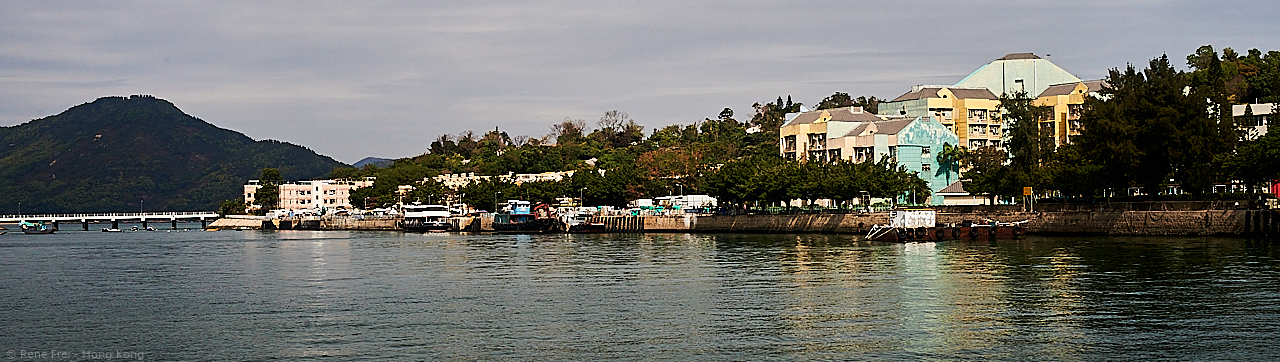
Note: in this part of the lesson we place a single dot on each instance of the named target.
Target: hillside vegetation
(111, 154)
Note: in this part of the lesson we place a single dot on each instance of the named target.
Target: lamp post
(140, 206)
(19, 209)
(495, 201)
(581, 201)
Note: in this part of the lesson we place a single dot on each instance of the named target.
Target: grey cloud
(353, 79)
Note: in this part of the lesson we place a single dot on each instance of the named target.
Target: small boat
(107, 230)
(919, 225)
(433, 218)
(37, 227)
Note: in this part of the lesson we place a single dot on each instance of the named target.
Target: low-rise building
(972, 114)
(1067, 101)
(313, 194)
(853, 135)
(457, 180)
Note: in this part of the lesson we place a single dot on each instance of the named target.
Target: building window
(893, 154)
(926, 167)
(817, 156)
(977, 130)
(817, 141)
(976, 144)
(861, 154)
(833, 155)
(941, 113)
(994, 130)
(1075, 110)
(924, 152)
(789, 143)
(978, 115)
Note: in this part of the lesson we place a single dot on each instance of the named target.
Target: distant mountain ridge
(117, 154)
(376, 161)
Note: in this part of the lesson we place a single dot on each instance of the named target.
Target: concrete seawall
(1118, 222)
(1130, 223)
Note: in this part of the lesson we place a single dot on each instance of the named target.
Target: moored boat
(523, 219)
(426, 218)
(919, 225)
(582, 222)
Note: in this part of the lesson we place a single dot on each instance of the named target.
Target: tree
(841, 99)
(232, 207)
(1030, 146)
(836, 100)
(987, 172)
(269, 194)
(949, 159)
(1152, 126)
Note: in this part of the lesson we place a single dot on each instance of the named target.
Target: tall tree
(1030, 146)
(269, 194)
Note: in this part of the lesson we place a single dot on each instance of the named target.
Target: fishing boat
(37, 227)
(920, 225)
(433, 218)
(523, 219)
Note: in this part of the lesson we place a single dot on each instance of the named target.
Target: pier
(115, 217)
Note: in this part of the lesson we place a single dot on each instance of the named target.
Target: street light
(140, 206)
(495, 201)
(581, 201)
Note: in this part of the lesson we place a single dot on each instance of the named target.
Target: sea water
(347, 295)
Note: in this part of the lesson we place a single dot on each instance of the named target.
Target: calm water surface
(302, 295)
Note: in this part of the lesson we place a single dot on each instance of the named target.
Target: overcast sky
(351, 79)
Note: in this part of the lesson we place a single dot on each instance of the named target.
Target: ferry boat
(37, 227)
(913, 225)
(523, 219)
(426, 218)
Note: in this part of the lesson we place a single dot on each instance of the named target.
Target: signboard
(1026, 191)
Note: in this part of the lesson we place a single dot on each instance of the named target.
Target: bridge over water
(115, 217)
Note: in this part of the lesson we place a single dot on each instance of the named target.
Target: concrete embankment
(1128, 223)
(1136, 219)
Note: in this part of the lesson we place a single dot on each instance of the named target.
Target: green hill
(115, 152)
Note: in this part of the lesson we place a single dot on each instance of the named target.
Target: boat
(106, 230)
(581, 221)
(37, 227)
(919, 225)
(523, 219)
(433, 218)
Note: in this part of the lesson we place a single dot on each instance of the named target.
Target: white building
(1258, 117)
(456, 180)
(314, 194)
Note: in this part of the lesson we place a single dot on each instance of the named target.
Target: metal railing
(110, 214)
